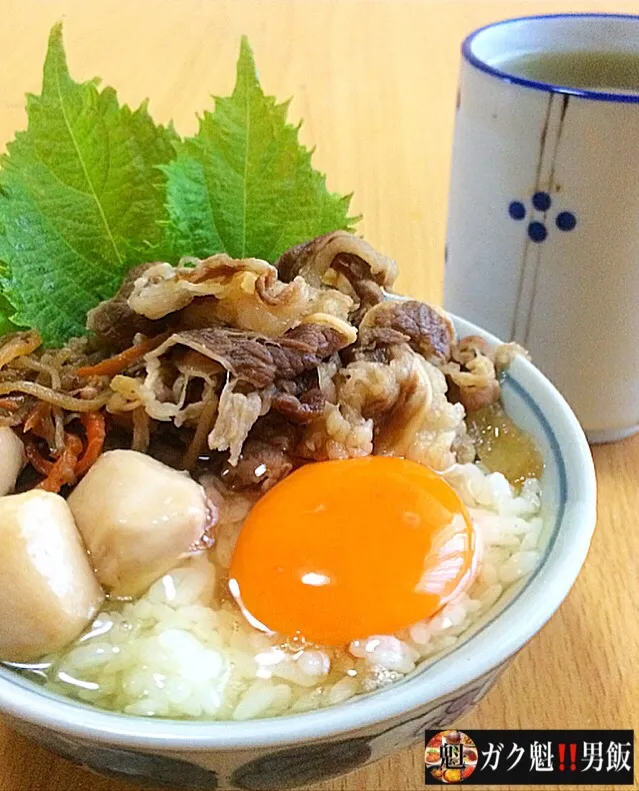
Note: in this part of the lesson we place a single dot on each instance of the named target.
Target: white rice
(184, 650)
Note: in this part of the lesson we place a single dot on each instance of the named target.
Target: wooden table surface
(374, 81)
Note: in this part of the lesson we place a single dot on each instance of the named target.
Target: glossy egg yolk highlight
(341, 550)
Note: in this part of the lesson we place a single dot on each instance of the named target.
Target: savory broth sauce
(503, 447)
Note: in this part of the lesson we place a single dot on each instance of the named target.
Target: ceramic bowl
(291, 751)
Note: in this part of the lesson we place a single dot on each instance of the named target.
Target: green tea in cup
(598, 71)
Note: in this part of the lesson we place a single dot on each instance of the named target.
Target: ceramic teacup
(543, 230)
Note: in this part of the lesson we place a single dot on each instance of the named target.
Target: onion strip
(198, 443)
(141, 430)
(63, 400)
(19, 345)
(28, 363)
(58, 429)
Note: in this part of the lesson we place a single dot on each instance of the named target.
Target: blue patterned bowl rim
(484, 651)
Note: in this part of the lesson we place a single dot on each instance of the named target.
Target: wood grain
(375, 83)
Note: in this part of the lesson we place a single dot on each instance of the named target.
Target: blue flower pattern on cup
(537, 229)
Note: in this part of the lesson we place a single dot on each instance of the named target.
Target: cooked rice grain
(185, 651)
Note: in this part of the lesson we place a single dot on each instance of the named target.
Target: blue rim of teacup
(599, 96)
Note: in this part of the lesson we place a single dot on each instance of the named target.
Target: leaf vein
(247, 121)
(85, 171)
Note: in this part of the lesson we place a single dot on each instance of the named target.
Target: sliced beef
(301, 408)
(369, 387)
(267, 455)
(115, 323)
(468, 348)
(161, 289)
(380, 338)
(472, 375)
(245, 294)
(259, 360)
(349, 257)
(260, 465)
(428, 331)
(275, 430)
(367, 290)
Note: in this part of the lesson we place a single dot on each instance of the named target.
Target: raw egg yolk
(341, 550)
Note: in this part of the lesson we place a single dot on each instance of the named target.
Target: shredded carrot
(72, 462)
(63, 470)
(11, 404)
(95, 428)
(114, 365)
